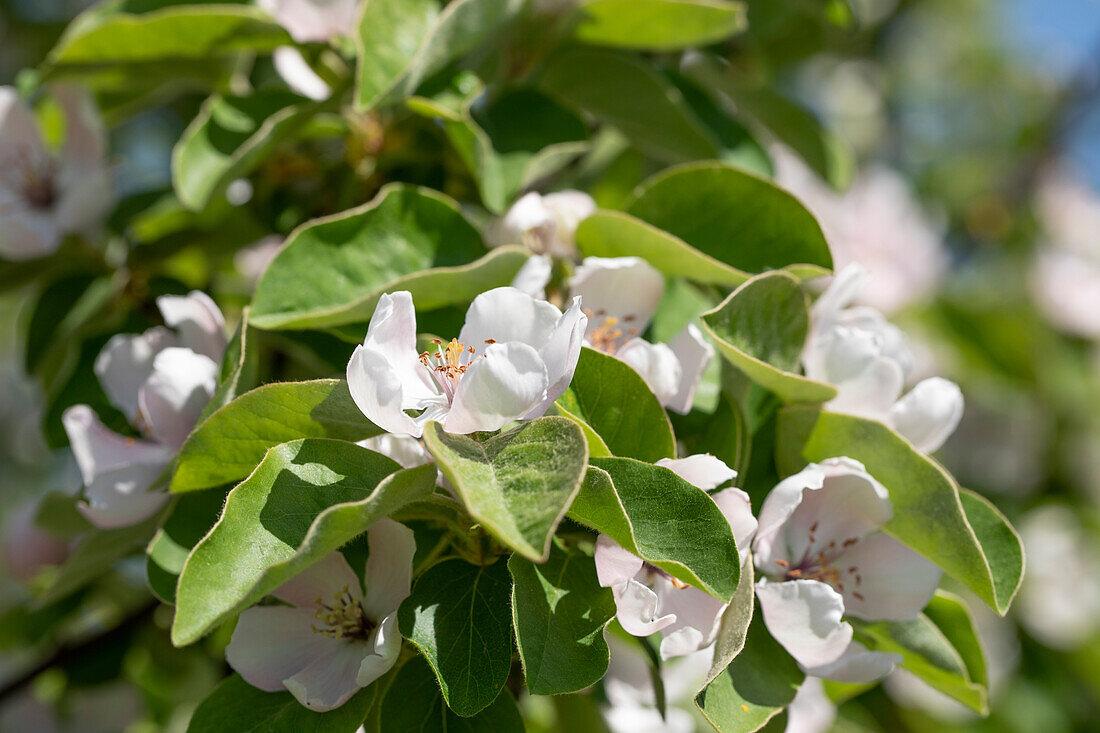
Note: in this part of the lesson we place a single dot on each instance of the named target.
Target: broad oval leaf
(188, 521)
(930, 516)
(415, 705)
(235, 705)
(657, 25)
(333, 270)
(612, 400)
(306, 499)
(228, 444)
(733, 216)
(559, 611)
(518, 483)
(458, 617)
(662, 519)
(761, 328)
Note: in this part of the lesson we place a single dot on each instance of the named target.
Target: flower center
(33, 179)
(819, 564)
(344, 618)
(609, 334)
(449, 362)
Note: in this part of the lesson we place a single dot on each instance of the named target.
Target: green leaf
(733, 216)
(613, 400)
(416, 706)
(928, 652)
(457, 616)
(734, 628)
(662, 519)
(229, 138)
(1002, 545)
(951, 616)
(754, 688)
(402, 42)
(617, 234)
(761, 328)
(658, 25)
(519, 483)
(627, 93)
(190, 519)
(559, 611)
(333, 270)
(228, 444)
(235, 705)
(929, 514)
(305, 500)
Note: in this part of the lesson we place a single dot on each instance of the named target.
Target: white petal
(872, 393)
(841, 354)
(702, 470)
(694, 353)
(534, 276)
(385, 648)
(99, 450)
(636, 609)
(313, 20)
(126, 362)
(528, 222)
(406, 450)
(388, 577)
(657, 365)
(501, 386)
(737, 509)
(508, 314)
(26, 233)
(272, 643)
(805, 617)
(569, 208)
(614, 564)
(895, 583)
(298, 75)
(85, 134)
(777, 508)
(697, 618)
(842, 291)
(811, 711)
(323, 580)
(198, 321)
(330, 680)
(85, 194)
(377, 390)
(857, 665)
(173, 397)
(928, 415)
(19, 136)
(627, 288)
(560, 354)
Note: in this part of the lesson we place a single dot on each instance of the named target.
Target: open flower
(866, 358)
(45, 194)
(161, 380)
(546, 224)
(620, 296)
(514, 356)
(822, 557)
(648, 599)
(333, 638)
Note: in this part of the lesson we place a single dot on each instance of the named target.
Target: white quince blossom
(877, 223)
(333, 638)
(648, 599)
(821, 557)
(867, 359)
(46, 194)
(161, 380)
(514, 356)
(308, 21)
(811, 711)
(620, 296)
(546, 224)
(631, 700)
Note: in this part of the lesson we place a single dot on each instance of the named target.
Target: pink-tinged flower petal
(177, 391)
(324, 580)
(126, 362)
(702, 470)
(857, 665)
(776, 510)
(528, 222)
(697, 618)
(656, 364)
(620, 287)
(560, 354)
(636, 607)
(392, 333)
(503, 385)
(85, 195)
(19, 136)
(694, 353)
(385, 647)
(534, 276)
(508, 314)
(388, 577)
(85, 134)
(198, 321)
(614, 564)
(331, 679)
(406, 450)
(895, 583)
(313, 20)
(811, 711)
(377, 391)
(27, 548)
(298, 75)
(26, 233)
(273, 643)
(737, 509)
(845, 287)
(569, 208)
(928, 415)
(805, 617)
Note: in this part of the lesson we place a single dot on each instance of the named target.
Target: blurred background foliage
(988, 111)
